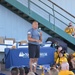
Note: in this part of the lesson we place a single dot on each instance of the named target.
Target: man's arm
(34, 40)
(31, 39)
(40, 40)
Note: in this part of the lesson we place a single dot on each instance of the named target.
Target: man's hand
(38, 41)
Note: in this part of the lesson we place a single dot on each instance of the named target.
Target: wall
(67, 5)
(13, 26)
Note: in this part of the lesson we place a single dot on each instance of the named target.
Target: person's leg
(31, 64)
(35, 64)
(37, 54)
(31, 49)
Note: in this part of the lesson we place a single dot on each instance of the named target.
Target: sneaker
(34, 64)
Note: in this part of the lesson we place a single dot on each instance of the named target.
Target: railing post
(49, 17)
(53, 13)
(53, 16)
(29, 5)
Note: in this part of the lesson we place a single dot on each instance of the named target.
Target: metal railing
(50, 13)
(54, 11)
(61, 8)
(47, 12)
(58, 11)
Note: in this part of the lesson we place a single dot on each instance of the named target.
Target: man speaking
(34, 40)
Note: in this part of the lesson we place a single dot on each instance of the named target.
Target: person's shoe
(34, 64)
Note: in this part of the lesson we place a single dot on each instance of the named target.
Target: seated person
(15, 71)
(73, 62)
(74, 32)
(65, 69)
(22, 71)
(31, 73)
(26, 69)
(56, 54)
(69, 29)
(61, 58)
(73, 35)
(53, 71)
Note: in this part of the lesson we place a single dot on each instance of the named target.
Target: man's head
(26, 69)
(15, 71)
(35, 25)
(64, 66)
(31, 73)
(22, 71)
(53, 71)
(70, 24)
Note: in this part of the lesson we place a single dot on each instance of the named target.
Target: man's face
(35, 25)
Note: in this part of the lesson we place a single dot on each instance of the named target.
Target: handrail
(61, 8)
(48, 13)
(57, 12)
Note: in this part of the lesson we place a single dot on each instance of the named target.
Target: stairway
(29, 15)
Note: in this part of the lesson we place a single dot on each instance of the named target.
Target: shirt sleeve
(57, 61)
(29, 32)
(55, 56)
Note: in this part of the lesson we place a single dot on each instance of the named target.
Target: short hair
(22, 71)
(26, 70)
(53, 71)
(14, 71)
(31, 73)
(34, 22)
(65, 66)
